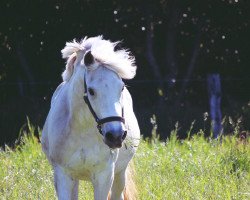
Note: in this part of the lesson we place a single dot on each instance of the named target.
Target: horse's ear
(88, 58)
(69, 67)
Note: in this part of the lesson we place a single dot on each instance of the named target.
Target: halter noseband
(104, 120)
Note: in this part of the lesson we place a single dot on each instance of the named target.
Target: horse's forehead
(104, 75)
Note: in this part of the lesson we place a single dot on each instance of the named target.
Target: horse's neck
(75, 91)
(79, 111)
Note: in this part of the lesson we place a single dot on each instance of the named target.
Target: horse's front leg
(66, 187)
(102, 182)
(118, 186)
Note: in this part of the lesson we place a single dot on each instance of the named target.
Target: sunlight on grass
(196, 168)
(193, 169)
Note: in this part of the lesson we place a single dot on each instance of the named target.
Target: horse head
(103, 72)
(103, 95)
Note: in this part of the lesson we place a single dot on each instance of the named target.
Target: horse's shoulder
(56, 126)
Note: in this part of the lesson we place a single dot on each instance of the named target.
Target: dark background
(176, 44)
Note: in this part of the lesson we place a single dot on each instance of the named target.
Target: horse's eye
(91, 92)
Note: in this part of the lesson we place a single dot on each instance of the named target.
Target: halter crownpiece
(88, 60)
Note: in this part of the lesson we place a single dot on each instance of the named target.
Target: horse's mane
(120, 61)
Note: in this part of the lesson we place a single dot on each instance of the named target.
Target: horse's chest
(83, 163)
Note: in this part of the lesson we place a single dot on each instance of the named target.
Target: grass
(195, 168)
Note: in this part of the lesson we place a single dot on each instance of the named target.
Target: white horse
(75, 147)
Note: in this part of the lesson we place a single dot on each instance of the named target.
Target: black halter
(104, 120)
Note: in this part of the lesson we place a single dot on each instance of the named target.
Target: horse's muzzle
(113, 139)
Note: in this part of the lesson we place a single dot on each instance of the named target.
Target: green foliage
(195, 168)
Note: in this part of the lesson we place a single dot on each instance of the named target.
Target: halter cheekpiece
(104, 120)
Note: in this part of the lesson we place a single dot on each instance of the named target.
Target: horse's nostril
(110, 136)
(124, 135)
(115, 138)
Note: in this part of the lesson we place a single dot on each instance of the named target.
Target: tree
(177, 45)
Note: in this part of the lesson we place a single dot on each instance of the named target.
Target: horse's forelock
(103, 51)
(119, 61)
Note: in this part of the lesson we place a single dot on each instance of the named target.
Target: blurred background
(192, 57)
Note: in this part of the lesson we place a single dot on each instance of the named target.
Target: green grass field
(195, 168)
